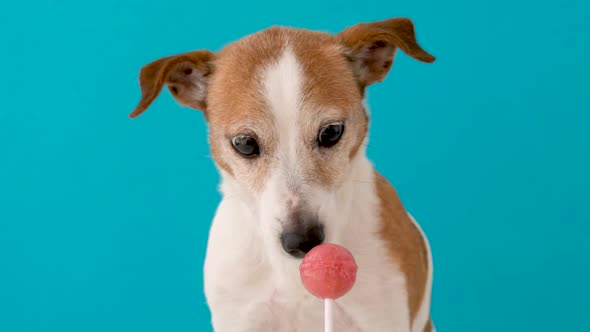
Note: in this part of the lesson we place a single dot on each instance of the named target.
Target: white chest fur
(248, 291)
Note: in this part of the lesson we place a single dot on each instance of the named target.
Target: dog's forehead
(236, 91)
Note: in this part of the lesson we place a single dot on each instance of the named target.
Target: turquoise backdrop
(104, 220)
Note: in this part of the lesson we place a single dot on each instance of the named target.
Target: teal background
(104, 220)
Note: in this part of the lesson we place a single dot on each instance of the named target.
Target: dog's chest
(265, 301)
(371, 300)
(253, 286)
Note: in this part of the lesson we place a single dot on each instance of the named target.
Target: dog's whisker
(363, 181)
(230, 197)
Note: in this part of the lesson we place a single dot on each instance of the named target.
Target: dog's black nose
(298, 242)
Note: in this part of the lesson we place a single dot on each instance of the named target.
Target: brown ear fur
(372, 47)
(185, 74)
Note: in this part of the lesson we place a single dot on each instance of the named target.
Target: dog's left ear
(371, 47)
(186, 76)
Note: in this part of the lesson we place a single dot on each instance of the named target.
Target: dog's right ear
(186, 76)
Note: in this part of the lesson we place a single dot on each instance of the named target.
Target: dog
(288, 127)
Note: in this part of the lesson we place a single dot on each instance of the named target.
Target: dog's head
(286, 116)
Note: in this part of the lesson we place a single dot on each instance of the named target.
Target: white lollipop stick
(329, 315)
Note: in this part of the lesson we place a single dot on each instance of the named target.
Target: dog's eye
(246, 145)
(330, 135)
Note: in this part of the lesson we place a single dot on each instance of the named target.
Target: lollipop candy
(328, 271)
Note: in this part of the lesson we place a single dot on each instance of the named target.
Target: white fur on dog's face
(291, 98)
(292, 185)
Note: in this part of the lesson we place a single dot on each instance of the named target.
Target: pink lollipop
(328, 271)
